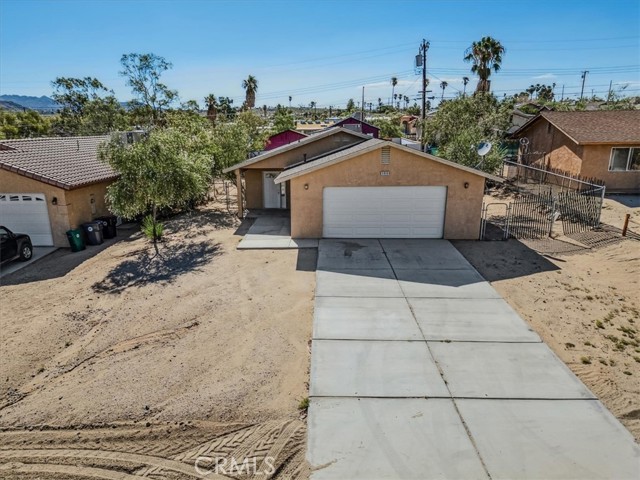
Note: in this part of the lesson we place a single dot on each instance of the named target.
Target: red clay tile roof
(594, 127)
(66, 162)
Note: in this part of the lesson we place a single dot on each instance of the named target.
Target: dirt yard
(128, 365)
(581, 294)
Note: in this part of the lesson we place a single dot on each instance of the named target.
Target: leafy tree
(168, 169)
(235, 140)
(461, 124)
(225, 108)
(415, 109)
(283, 120)
(23, 124)
(143, 72)
(191, 106)
(88, 107)
(485, 56)
(351, 106)
(389, 127)
(250, 86)
(212, 107)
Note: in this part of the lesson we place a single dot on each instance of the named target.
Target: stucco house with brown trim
(342, 184)
(51, 185)
(603, 145)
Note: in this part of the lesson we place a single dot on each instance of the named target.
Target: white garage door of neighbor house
(384, 212)
(27, 213)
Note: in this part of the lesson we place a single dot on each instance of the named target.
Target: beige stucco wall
(79, 203)
(595, 164)
(11, 182)
(589, 161)
(73, 206)
(554, 149)
(253, 173)
(463, 208)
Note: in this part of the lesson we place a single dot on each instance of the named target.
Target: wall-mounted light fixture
(54, 201)
(306, 186)
(466, 184)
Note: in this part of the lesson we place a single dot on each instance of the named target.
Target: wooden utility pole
(424, 46)
(584, 78)
(609, 94)
(362, 106)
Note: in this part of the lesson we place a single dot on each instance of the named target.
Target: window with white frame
(625, 159)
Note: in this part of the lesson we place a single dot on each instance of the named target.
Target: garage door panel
(27, 213)
(384, 212)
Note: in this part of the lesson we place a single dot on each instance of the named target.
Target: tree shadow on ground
(500, 260)
(147, 268)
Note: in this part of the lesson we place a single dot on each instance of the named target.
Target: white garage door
(27, 213)
(384, 212)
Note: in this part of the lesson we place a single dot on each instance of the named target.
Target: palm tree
(312, 106)
(406, 102)
(212, 107)
(443, 85)
(290, 98)
(486, 55)
(394, 82)
(250, 86)
(465, 80)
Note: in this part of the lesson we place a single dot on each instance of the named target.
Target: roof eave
(50, 181)
(284, 176)
(292, 146)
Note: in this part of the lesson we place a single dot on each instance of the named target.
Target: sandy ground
(581, 295)
(201, 352)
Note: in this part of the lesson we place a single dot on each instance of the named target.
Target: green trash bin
(76, 240)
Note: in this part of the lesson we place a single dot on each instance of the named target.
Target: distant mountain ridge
(11, 106)
(33, 103)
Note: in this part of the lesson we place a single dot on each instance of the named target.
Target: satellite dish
(484, 148)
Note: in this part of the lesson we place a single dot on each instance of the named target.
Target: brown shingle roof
(593, 127)
(68, 162)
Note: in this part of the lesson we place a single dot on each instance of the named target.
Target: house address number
(384, 173)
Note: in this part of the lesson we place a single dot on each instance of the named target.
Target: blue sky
(322, 51)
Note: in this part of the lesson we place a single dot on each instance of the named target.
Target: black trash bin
(93, 232)
(109, 229)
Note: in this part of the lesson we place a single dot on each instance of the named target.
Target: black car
(14, 246)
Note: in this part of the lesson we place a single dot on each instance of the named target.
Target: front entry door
(272, 193)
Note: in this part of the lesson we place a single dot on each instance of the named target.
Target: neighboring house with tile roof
(603, 144)
(51, 185)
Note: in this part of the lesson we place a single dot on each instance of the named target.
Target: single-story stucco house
(603, 145)
(51, 185)
(344, 184)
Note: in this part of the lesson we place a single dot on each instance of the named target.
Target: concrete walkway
(421, 370)
(273, 233)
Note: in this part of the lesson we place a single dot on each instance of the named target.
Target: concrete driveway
(421, 370)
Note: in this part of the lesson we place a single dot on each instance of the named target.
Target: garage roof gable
(291, 146)
(369, 146)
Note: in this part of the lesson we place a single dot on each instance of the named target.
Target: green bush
(152, 231)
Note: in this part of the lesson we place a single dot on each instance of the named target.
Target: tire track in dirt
(83, 472)
(274, 449)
